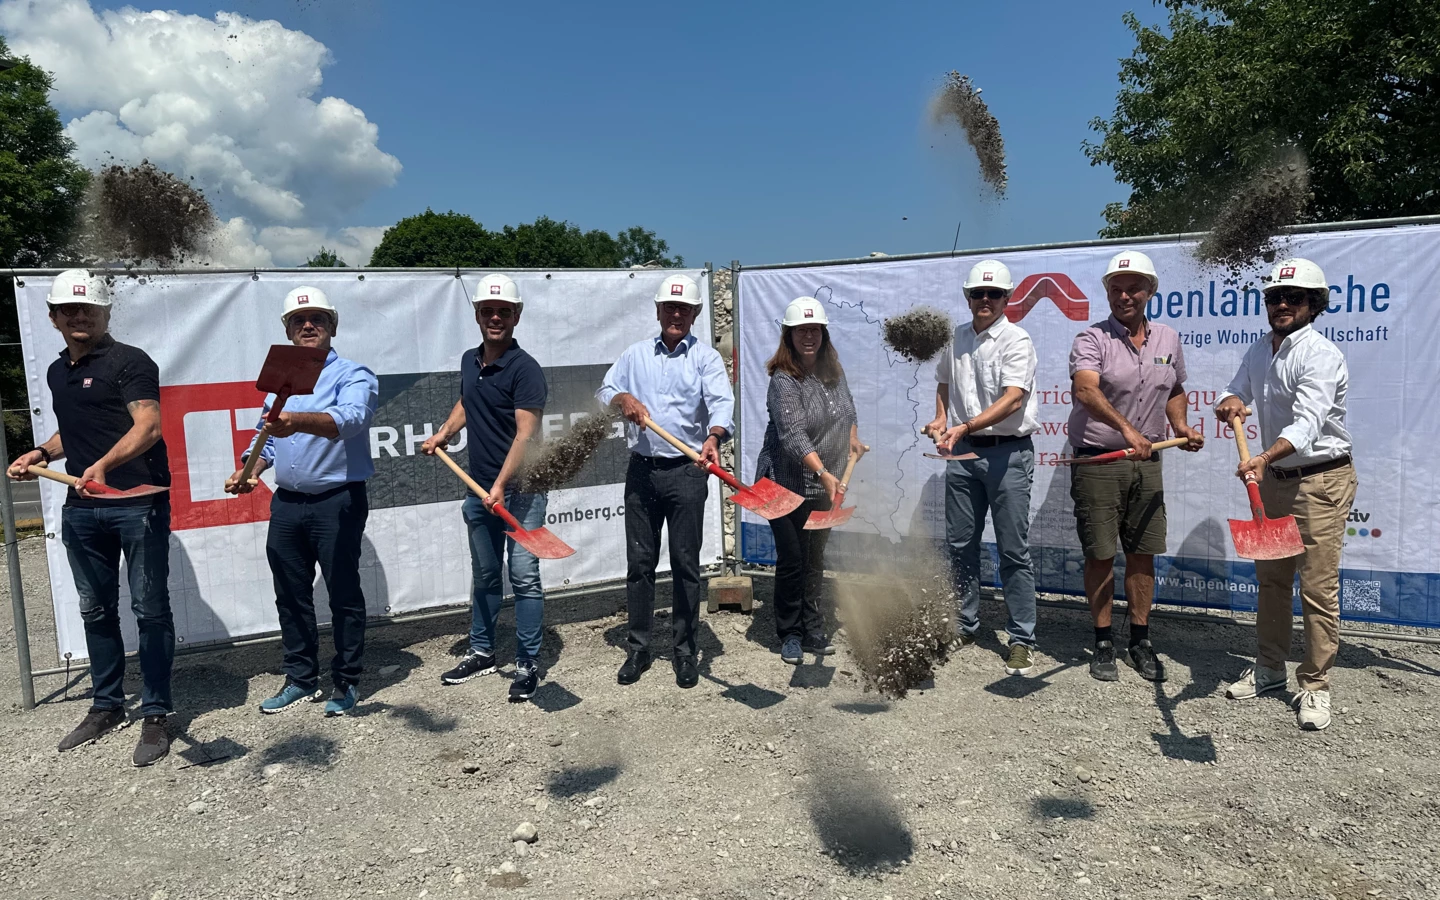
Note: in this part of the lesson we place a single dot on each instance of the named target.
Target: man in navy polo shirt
(107, 407)
(502, 394)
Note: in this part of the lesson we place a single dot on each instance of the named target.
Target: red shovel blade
(1262, 537)
(768, 499)
(948, 458)
(821, 519)
(290, 370)
(542, 542)
(105, 492)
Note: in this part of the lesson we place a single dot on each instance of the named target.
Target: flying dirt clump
(959, 99)
(918, 334)
(1244, 231)
(556, 463)
(899, 622)
(138, 214)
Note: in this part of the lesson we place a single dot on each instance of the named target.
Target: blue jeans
(999, 481)
(488, 544)
(95, 539)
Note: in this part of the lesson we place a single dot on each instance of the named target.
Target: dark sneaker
(817, 643)
(154, 742)
(97, 723)
(637, 662)
(961, 642)
(342, 700)
(791, 651)
(1146, 664)
(1102, 663)
(686, 674)
(1019, 662)
(290, 696)
(473, 665)
(527, 678)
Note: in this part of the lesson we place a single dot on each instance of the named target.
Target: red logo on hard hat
(77, 290)
(809, 313)
(677, 290)
(1287, 272)
(988, 276)
(302, 298)
(1056, 286)
(1123, 264)
(494, 290)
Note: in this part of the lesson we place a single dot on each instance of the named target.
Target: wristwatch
(44, 454)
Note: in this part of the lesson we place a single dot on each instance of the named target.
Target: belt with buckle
(990, 440)
(1096, 451)
(1307, 471)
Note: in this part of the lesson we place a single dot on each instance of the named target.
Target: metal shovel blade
(1266, 538)
(767, 499)
(821, 519)
(542, 542)
(952, 458)
(290, 370)
(144, 490)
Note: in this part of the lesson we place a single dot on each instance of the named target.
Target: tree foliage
(41, 186)
(1353, 85)
(454, 239)
(326, 258)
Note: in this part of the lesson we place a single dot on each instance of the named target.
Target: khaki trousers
(1321, 505)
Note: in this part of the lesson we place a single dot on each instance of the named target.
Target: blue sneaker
(289, 695)
(791, 651)
(342, 700)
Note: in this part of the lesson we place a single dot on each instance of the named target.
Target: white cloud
(229, 101)
(239, 243)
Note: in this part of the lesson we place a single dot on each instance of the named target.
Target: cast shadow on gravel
(576, 780)
(1062, 808)
(748, 694)
(856, 820)
(412, 716)
(862, 708)
(203, 688)
(1019, 687)
(315, 751)
(552, 697)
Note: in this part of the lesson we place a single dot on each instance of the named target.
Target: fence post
(17, 588)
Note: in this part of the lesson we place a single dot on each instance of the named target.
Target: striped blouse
(805, 417)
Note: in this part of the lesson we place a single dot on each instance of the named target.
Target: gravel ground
(765, 781)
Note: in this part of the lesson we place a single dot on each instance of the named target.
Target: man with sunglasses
(106, 398)
(502, 396)
(1127, 380)
(985, 402)
(320, 450)
(1296, 381)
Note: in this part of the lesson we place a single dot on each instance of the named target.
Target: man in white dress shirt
(1296, 380)
(985, 403)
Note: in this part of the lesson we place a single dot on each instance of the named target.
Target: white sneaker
(1312, 710)
(1255, 681)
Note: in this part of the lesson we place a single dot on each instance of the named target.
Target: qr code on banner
(1360, 596)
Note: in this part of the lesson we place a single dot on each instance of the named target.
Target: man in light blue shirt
(680, 384)
(320, 451)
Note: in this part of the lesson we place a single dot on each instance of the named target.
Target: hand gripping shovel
(948, 457)
(105, 491)
(764, 497)
(1117, 454)
(541, 542)
(1261, 538)
(821, 519)
(288, 371)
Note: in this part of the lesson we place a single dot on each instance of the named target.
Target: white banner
(1379, 317)
(209, 335)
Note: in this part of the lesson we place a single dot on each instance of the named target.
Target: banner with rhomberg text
(209, 333)
(1380, 315)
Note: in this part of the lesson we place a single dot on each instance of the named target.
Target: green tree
(326, 259)
(546, 243)
(639, 247)
(41, 186)
(1354, 85)
(436, 239)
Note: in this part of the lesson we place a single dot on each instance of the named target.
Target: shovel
(948, 457)
(541, 542)
(829, 518)
(1117, 454)
(1261, 538)
(764, 497)
(105, 491)
(289, 370)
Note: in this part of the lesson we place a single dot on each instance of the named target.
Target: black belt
(1096, 451)
(660, 462)
(1307, 471)
(289, 496)
(991, 440)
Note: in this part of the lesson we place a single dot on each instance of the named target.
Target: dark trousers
(323, 528)
(799, 571)
(94, 540)
(670, 492)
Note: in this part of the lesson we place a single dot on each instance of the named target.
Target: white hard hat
(78, 286)
(989, 273)
(805, 311)
(307, 298)
(497, 287)
(679, 289)
(1297, 272)
(1131, 262)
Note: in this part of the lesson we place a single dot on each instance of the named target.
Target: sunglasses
(1296, 297)
(318, 319)
(987, 294)
(497, 312)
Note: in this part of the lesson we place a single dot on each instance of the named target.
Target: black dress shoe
(636, 662)
(686, 675)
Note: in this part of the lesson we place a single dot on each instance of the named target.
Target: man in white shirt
(1296, 381)
(985, 403)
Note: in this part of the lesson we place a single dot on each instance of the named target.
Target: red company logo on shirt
(87, 382)
(1055, 286)
(207, 427)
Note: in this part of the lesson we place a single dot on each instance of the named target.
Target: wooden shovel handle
(1238, 425)
(1167, 444)
(480, 492)
(672, 440)
(250, 461)
(850, 465)
(66, 478)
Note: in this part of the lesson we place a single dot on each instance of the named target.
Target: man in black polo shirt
(502, 394)
(107, 405)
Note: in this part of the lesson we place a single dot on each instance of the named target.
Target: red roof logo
(77, 290)
(1287, 272)
(677, 290)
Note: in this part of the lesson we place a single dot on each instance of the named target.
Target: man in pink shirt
(1127, 379)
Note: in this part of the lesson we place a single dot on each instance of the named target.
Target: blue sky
(767, 132)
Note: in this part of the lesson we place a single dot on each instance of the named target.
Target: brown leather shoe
(96, 724)
(154, 741)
